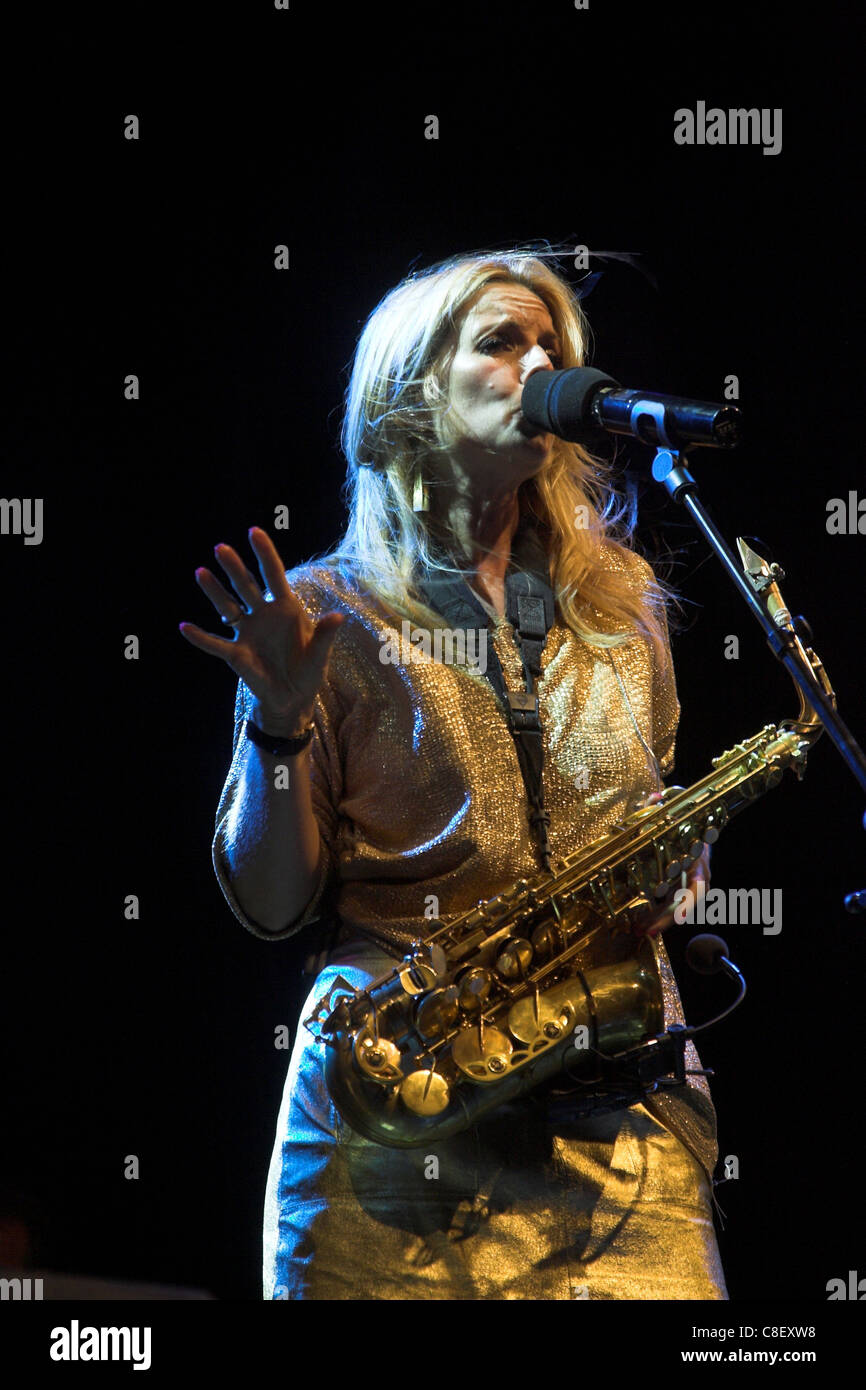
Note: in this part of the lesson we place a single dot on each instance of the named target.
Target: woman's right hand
(279, 652)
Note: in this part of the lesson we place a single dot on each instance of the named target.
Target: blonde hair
(394, 426)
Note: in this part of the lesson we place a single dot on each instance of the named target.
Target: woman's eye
(495, 344)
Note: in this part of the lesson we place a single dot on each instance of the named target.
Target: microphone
(578, 402)
(707, 955)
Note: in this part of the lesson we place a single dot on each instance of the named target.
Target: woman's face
(506, 334)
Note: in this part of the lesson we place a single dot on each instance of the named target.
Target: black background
(155, 1037)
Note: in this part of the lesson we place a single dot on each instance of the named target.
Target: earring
(420, 498)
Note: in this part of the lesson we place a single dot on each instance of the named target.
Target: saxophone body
(551, 981)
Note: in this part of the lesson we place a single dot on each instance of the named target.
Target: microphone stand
(669, 469)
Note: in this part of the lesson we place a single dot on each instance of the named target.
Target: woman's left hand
(659, 920)
(699, 870)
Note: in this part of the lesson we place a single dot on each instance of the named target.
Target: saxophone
(552, 980)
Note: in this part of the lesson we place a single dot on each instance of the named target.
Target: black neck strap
(529, 607)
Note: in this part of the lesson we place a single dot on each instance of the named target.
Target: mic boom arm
(669, 469)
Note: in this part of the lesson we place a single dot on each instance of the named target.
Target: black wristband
(277, 745)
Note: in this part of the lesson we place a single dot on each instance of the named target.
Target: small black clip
(531, 617)
(524, 711)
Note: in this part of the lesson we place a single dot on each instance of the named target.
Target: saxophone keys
(428, 954)
(425, 1092)
(417, 976)
(549, 938)
(378, 1059)
(514, 959)
(483, 1055)
(473, 987)
(716, 821)
(438, 1012)
(535, 1020)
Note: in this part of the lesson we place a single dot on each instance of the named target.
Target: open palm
(279, 651)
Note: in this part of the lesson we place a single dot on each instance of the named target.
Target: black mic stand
(669, 469)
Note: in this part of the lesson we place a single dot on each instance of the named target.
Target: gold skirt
(533, 1203)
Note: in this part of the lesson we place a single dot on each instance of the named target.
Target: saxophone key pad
(514, 959)
(437, 1012)
(473, 987)
(482, 1060)
(534, 1020)
(425, 1092)
(378, 1059)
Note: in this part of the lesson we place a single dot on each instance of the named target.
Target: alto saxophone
(549, 981)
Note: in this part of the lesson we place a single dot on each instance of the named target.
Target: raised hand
(279, 651)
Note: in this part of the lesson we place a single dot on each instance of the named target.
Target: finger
(242, 580)
(272, 568)
(651, 929)
(214, 646)
(659, 924)
(700, 870)
(225, 603)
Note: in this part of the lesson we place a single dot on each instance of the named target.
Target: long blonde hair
(395, 408)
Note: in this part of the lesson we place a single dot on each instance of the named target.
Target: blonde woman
(409, 797)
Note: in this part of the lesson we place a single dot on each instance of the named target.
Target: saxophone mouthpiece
(763, 577)
(751, 561)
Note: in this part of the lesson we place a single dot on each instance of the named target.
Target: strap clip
(524, 712)
(531, 617)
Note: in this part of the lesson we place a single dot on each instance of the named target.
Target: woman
(409, 799)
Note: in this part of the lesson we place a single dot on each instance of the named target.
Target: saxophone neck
(764, 578)
(808, 722)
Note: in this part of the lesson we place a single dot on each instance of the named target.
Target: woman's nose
(536, 360)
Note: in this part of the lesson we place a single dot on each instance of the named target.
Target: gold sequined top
(417, 788)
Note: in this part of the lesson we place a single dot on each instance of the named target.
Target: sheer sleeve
(326, 791)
